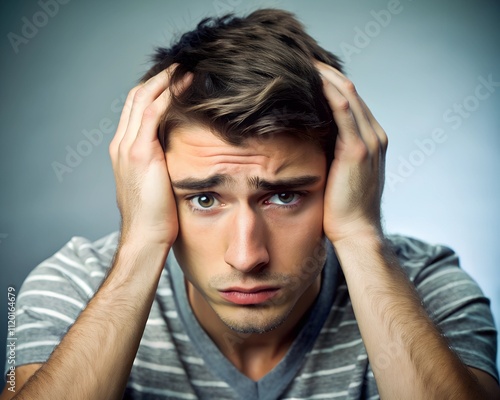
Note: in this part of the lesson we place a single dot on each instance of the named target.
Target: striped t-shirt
(177, 360)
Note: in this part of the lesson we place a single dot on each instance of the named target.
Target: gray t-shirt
(176, 359)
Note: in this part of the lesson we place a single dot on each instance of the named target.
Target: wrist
(363, 245)
(365, 254)
(135, 241)
(137, 263)
(139, 237)
(362, 234)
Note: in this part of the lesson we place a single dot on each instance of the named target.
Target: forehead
(196, 151)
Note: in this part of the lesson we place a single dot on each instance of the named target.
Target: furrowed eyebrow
(254, 182)
(283, 184)
(202, 184)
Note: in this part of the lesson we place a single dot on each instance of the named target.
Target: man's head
(252, 76)
(248, 144)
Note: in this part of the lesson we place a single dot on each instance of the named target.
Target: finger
(143, 97)
(152, 115)
(381, 134)
(375, 124)
(342, 113)
(379, 131)
(358, 108)
(122, 124)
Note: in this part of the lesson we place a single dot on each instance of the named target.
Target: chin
(253, 320)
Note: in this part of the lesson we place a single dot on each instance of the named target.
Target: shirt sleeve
(54, 294)
(453, 300)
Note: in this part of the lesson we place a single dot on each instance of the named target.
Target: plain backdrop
(422, 72)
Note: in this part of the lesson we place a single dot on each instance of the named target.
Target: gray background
(74, 72)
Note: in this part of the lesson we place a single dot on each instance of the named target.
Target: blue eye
(285, 198)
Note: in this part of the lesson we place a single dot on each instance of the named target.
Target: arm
(387, 307)
(94, 358)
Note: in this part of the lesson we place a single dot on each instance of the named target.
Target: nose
(247, 247)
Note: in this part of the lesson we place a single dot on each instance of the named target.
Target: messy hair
(252, 76)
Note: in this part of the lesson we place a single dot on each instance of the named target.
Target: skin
(388, 309)
(245, 236)
(95, 356)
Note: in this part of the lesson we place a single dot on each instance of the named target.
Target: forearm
(408, 355)
(94, 358)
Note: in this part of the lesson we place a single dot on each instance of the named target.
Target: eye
(285, 198)
(205, 201)
(202, 202)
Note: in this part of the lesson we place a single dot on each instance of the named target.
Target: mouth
(249, 296)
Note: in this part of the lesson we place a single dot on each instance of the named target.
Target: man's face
(251, 236)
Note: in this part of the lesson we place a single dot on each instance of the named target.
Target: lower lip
(244, 298)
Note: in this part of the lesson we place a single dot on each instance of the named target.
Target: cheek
(297, 240)
(198, 246)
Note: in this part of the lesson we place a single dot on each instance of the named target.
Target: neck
(253, 354)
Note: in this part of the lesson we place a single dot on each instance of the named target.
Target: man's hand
(388, 309)
(99, 348)
(356, 179)
(144, 193)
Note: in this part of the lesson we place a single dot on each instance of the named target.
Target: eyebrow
(253, 182)
(202, 184)
(283, 184)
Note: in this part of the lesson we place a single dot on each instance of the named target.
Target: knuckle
(136, 154)
(360, 150)
(342, 104)
(131, 95)
(349, 86)
(140, 94)
(132, 91)
(150, 112)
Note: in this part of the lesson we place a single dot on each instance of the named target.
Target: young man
(250, 155)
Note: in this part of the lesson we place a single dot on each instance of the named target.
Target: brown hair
(252, 76)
